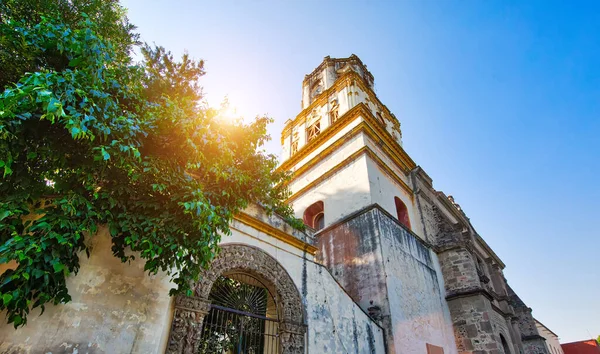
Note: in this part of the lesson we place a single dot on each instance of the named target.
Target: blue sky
(499, 102)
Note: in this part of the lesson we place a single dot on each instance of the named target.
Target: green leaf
(4, 214)
(58, 267)
(53, 105)
(75, 61)
(105, 155)
(6, 298)
(7, 170)
(75, 131)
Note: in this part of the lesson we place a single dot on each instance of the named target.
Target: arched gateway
(245, 303)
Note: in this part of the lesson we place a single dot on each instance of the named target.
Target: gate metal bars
(242, 318)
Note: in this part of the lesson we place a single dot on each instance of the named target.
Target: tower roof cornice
(352, 59)
(350, 77)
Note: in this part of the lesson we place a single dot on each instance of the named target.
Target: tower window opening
(402, 212)
(313, 131)
(319, 221)
(294, 146)
(380, 117)
(314, 216)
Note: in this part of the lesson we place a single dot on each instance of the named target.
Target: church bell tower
(345, 148)
(351, 184)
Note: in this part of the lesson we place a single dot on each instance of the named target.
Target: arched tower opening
(402, 212)
(314, 216)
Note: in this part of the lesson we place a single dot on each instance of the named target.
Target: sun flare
(234, 109)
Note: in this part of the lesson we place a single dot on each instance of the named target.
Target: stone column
(187, 325)
(292, 337)
(469, 303)
(516, 335)
(533, 343)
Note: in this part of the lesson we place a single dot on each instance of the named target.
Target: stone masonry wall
(472, 325)
(460, 273)
(501, 326)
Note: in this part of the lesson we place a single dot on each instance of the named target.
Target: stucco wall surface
(343, 193)
(418, 308)
(383, 190)
(115, 308)
(552, 341)
(336, 324)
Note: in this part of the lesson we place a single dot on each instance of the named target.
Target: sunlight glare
(233, 108)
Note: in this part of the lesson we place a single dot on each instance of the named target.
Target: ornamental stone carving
(251, 260)
(187, 325)
(190, 311)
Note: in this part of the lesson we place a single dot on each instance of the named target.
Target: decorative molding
(469, 293)
(348, 79)
(276, 233)
(533, 337)
(365, 150)
(370, 126)
(186, 327)
(192, 303)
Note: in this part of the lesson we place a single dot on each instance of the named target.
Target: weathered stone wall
(352, 253)
(388, 272)
(501, 326)
(115, 308)
(533, 343)
(472, 324)
(419, 313)
(531, 340)
(460, 273)
(335, 323)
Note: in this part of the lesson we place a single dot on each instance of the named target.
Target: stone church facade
(388, 264)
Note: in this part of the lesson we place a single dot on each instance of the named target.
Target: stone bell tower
(345, 146)
(351, 185)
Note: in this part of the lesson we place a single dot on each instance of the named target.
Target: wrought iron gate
(242, 318)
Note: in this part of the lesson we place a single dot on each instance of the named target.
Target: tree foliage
(88, 139)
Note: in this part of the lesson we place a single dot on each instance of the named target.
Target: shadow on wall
(388, 272)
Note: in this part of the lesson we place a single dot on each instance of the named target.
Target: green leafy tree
(16, 58)
(88, 139)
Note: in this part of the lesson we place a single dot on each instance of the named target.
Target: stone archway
(190, 311)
